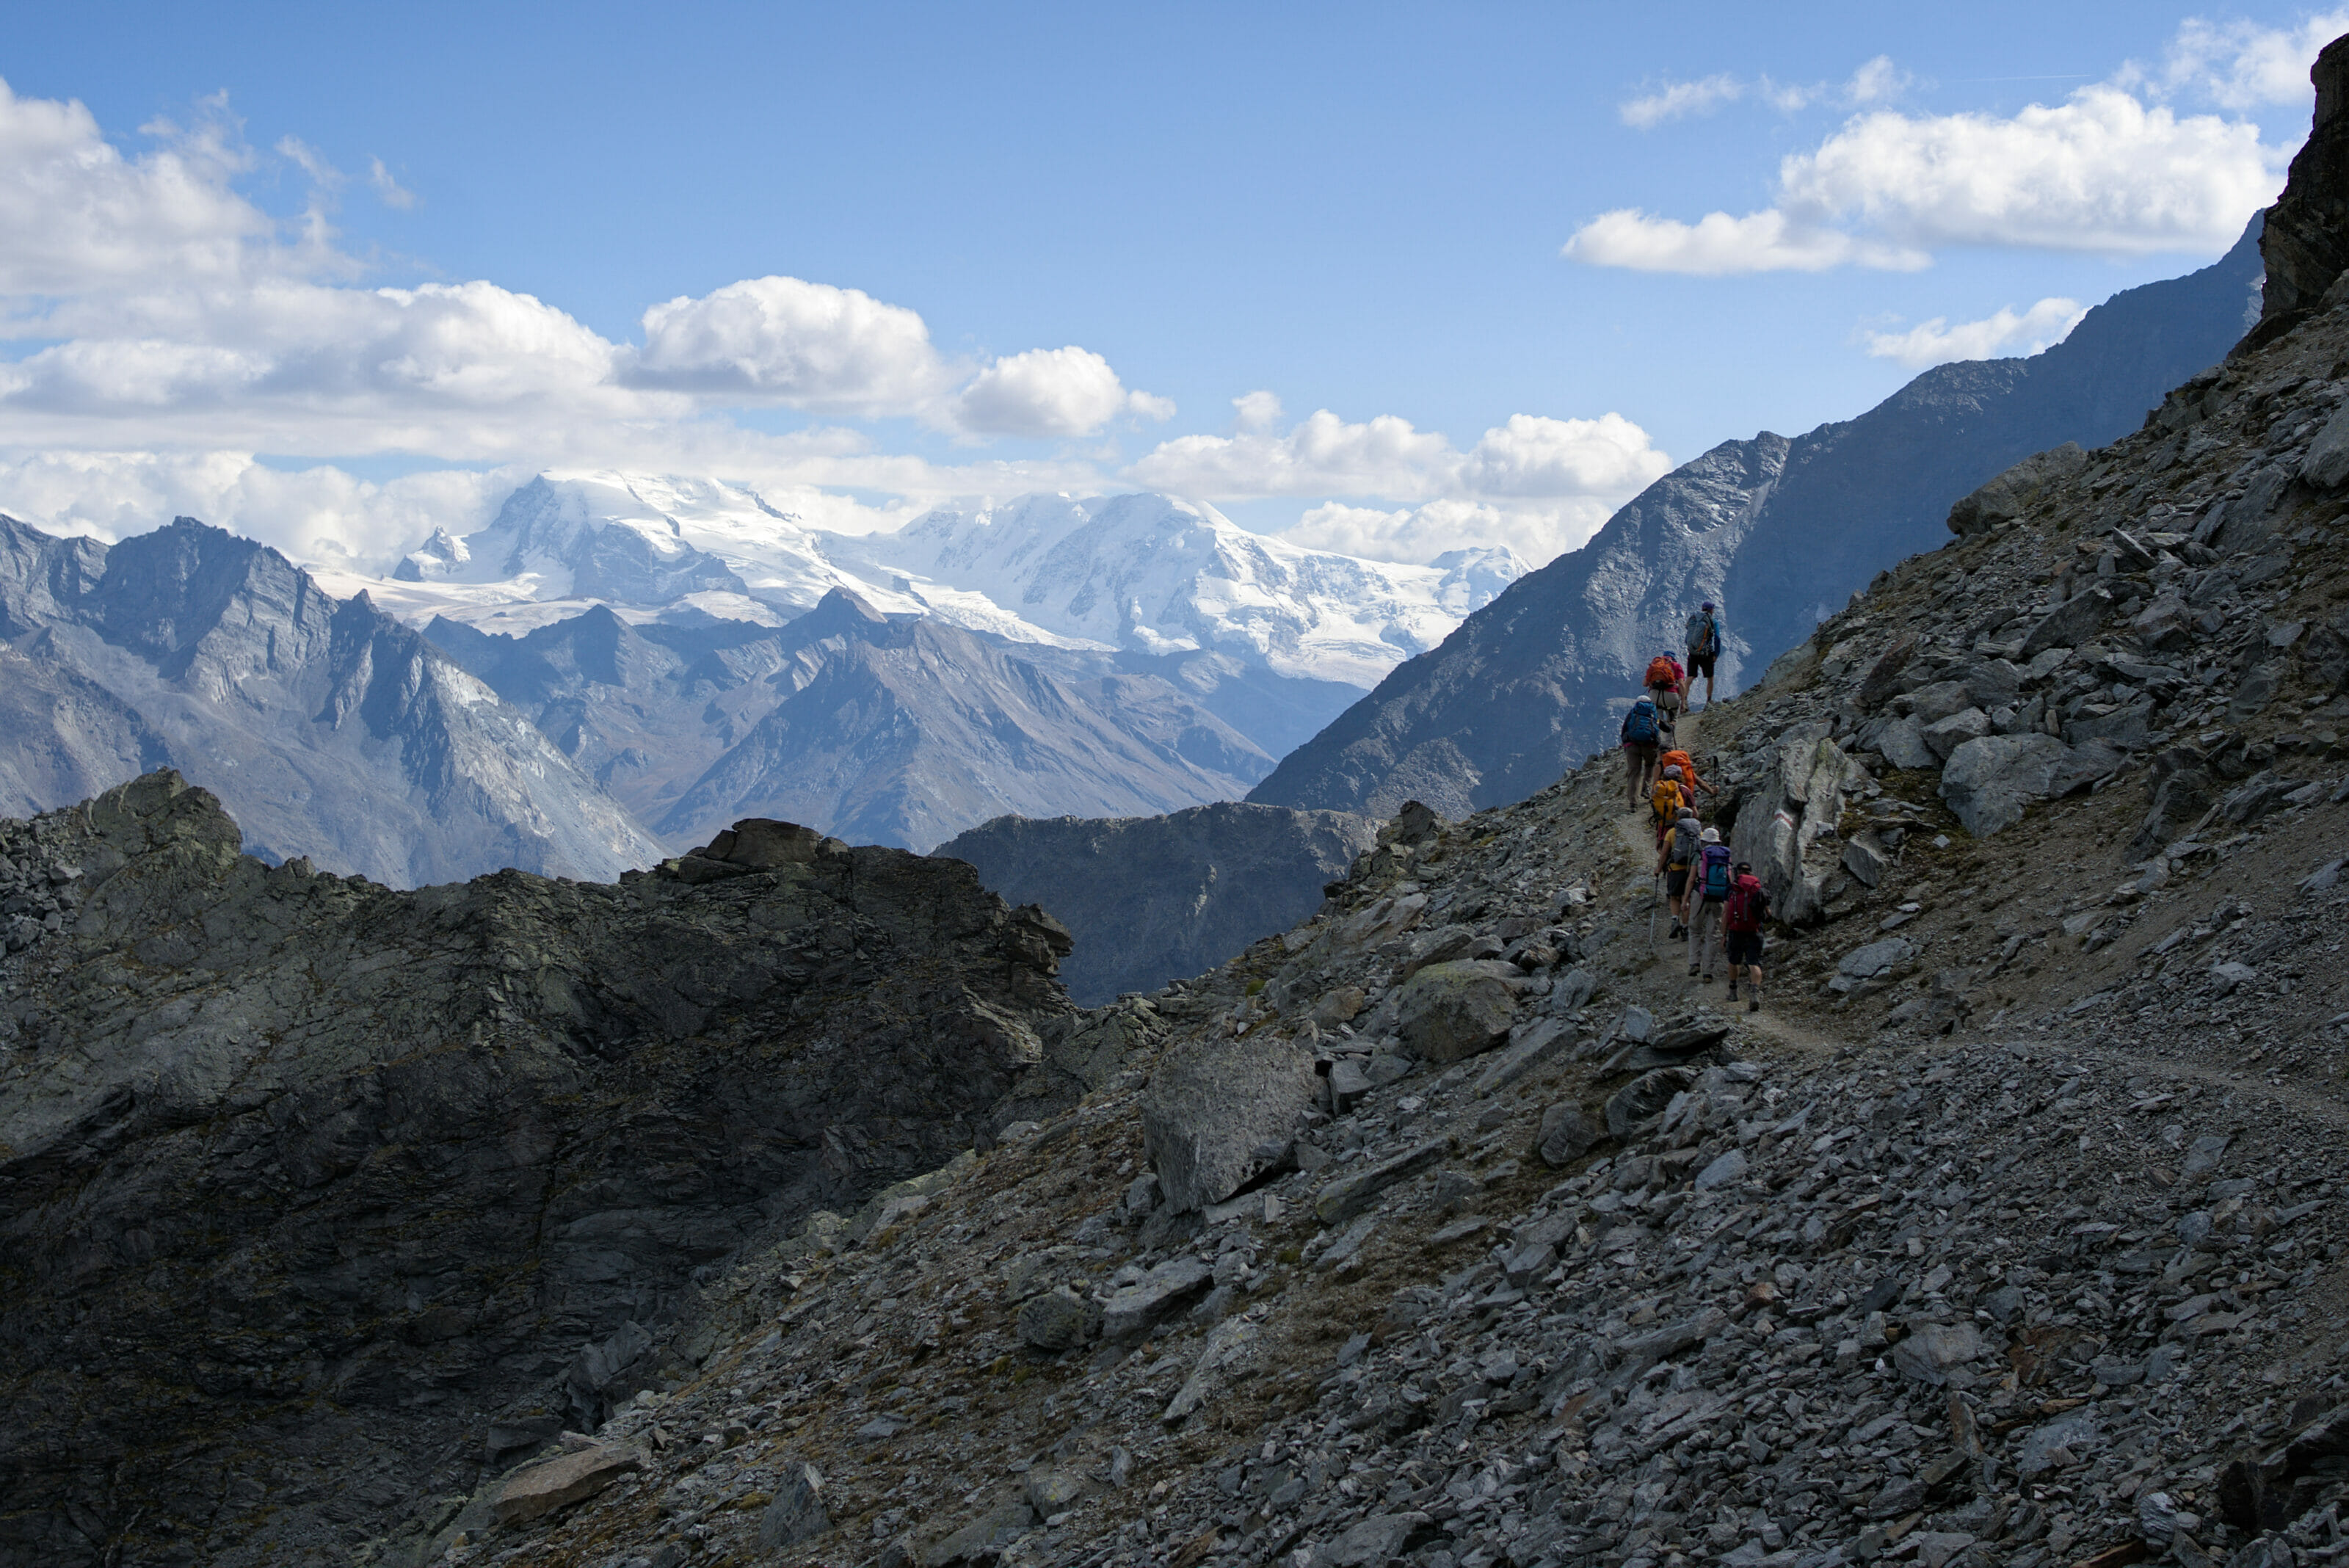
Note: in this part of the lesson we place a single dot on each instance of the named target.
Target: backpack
(1701, 633)
(1665, 800)
(1746, 902)
(1716, 870)
(1687, 841)
(1640, 726)
(1662, 672)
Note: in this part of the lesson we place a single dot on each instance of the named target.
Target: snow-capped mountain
(1141, 574)
(1153, 574)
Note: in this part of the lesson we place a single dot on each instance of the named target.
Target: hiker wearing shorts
(1704, 646)
(1642, 737)
(1675, 860)
(1709, 892)
(1741, 921)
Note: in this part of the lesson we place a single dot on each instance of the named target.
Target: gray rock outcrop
(1219, 1112)
(488, 1137)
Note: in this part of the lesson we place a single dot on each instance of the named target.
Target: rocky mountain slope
(317, 1197)
(898, 729)
(1777, 532)
(1152, 898)
(1463, 1225)
(1458, 1226)
(334, 730)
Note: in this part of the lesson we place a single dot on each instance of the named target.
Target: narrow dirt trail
(1662, 986)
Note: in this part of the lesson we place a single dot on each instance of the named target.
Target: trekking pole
(1651, 911)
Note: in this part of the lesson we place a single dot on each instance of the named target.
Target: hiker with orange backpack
(1740, 921)
(1663, 683)
(1690, 782)
(1666, 801)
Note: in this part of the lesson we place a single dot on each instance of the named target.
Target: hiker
(1664, 685)
(1741, 923)
(1643, 730)
(1690, 782)
(1713, 877)
(1674, 859)
(1703, 647)
(1664, 801)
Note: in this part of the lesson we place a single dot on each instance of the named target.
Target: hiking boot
(1732, 988)
(1708, 979)
(1678, 932)
(1754, 1005)
(1691, 971)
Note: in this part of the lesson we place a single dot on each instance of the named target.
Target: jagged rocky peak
(455, 1191)
(334, 730)
(2306, 246)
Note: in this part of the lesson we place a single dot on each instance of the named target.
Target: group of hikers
(1717, 902)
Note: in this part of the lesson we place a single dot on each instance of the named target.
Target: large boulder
(2069, 624)
(1787, 829)
(2008, 495)
(1219, 1112)
(1989, 782)
(1450, 1012)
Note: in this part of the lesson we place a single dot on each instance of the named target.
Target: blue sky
(1076, 236)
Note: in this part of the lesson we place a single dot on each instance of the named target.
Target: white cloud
(2102, 172)
(1323, 455)
(76, 216)
(783, 339)
(1539, 485)
(1067, 392)
(1677, 100)
(1717, 245)
(314, 515)
(2240, 65)
(387, 189)
(2112, 169)
(1540, 534)
(1259, 410)
(1936, 341)
(1878, 81)
(1533, 456)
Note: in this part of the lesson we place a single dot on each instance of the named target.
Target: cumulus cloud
(786, 340)
(2102, 172)
(2114, 169)
(76, 215)
(1067, 392)
(2240, 65)
(1259, 410)
(1936, 341)
(1539, 485)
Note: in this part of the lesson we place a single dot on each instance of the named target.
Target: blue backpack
(1640, 726)
(1716, 870)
